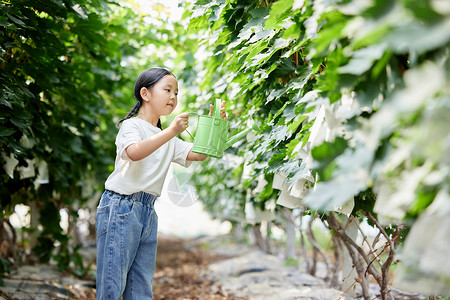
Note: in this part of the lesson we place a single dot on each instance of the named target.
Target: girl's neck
(147, 116)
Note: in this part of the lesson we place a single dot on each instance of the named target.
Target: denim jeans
(126, 228)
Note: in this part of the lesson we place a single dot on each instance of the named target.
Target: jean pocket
(102, 220)
(125, 208)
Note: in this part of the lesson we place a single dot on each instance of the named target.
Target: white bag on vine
(425, 258)
(280, 182)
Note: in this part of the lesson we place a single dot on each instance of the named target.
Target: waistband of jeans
(143, 197)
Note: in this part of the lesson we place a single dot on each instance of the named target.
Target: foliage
(67, 74)
(351, 96)
(54, 69)
(68, 71)
(351, 99)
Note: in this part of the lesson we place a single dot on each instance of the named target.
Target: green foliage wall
(67, 75)
(58, 60)
(351, 97)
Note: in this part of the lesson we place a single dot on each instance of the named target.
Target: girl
(126, 221)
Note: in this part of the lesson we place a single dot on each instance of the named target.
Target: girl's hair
(147, 79)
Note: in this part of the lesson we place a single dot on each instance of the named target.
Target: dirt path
(180, 272)
(180, 275)
(208, 268)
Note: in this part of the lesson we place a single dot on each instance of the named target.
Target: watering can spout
(240, 135)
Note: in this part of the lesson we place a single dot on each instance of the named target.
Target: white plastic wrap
(425, 258)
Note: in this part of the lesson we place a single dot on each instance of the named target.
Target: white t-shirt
(146, 175)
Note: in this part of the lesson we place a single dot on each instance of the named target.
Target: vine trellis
(351, 98)
(348, 96)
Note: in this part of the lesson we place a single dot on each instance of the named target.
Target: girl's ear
(145, 94)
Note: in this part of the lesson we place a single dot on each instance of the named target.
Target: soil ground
(181, 274)
(207, 268)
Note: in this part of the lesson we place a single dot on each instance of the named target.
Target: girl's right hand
(223, 114)
(180, 123)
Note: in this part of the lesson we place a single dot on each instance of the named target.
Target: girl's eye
(168, 90)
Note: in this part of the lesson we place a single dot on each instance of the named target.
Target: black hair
(146, 79)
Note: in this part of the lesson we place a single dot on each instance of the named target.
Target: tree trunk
(303, 250)
(238, 231)
(334, 280)
(34, 223)
(359, 260)
(348, 269)
(268, 243)
(8, 240)
(316, 251)
(259, 240)
(290, 233)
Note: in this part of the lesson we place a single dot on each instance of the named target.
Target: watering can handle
(216, 113)
(191, 113)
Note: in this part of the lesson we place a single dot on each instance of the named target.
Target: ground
(180, 275)
(180, 272)
(206, 268)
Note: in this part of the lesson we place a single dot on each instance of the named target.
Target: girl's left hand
(223, 114)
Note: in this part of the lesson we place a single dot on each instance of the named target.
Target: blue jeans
(126, 228)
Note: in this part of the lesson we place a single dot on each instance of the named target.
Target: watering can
(212, 131)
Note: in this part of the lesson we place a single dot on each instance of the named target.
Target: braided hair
(147, 79)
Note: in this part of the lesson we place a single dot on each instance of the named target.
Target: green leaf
(288, 112)
(329, 195)
(422, 9)
(4, 21)
(381, 64)
(291, 145)
(297, 122)
(424, 198)
(362, 60)
(6, 131)
(419, 37)
(330, 34)
(280, 133)
(328, 151)
(16, 20)
(375, 36)
(278, 13)
(294, 31)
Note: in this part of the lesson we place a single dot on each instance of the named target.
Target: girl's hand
(180, 123)
(223, 114)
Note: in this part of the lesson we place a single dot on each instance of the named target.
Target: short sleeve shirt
(148, 174)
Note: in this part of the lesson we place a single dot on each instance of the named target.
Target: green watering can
(211, 136)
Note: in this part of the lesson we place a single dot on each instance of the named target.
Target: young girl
(126, 221)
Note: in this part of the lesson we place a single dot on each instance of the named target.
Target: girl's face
(163, 96)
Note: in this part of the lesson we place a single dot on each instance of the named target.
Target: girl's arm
(144, 148)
